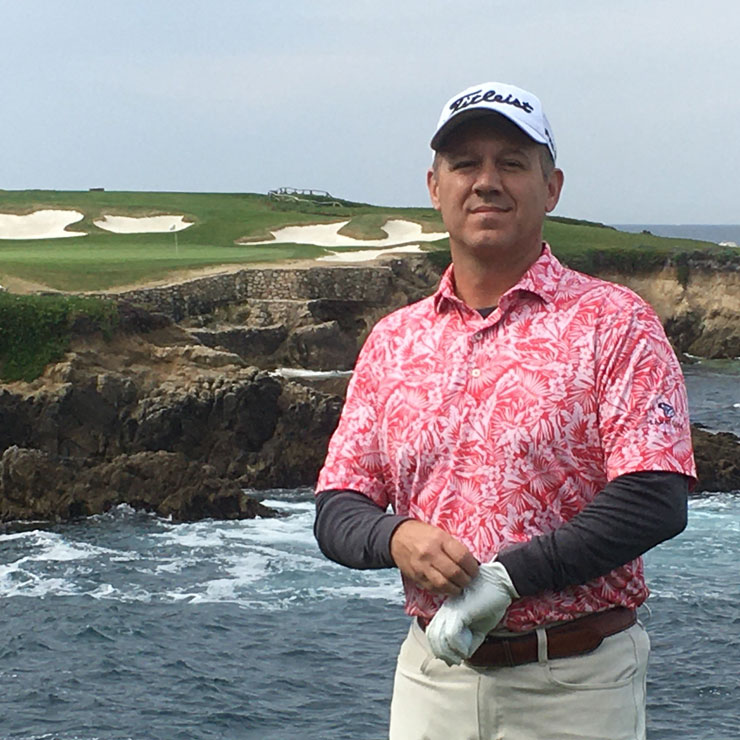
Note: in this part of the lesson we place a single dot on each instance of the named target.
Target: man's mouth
(490, 209)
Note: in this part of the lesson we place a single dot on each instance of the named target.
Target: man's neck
(481, 282)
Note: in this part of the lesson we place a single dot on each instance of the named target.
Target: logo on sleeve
(664, 415)
(667, 409)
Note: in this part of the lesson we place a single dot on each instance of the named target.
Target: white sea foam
(294, 530)
(392, 592)
(221, 589)
(17, 536)
(176, 565)
(299, 372)
(59, 551)
(50, 546)
(277, 503)
(103, 591)
(22, 583)
(197, 536)
(233, 585)
(719, 503)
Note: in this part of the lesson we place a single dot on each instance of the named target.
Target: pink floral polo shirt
(503, 428)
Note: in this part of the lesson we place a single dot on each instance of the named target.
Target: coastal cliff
(180, 410)
(698, 303)
(257, 311)
(151, 419)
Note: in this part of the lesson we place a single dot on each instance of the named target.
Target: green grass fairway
(103, 260)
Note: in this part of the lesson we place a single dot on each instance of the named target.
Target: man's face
(490, 189)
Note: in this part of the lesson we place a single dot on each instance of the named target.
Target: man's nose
(488, 179)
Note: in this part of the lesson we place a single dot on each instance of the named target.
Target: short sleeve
(643, 408)
(355, 460)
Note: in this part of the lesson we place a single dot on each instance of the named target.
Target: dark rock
(723, 341)
(293, 456)
(684, 329)
(348, 314)
(135, 319)
(322, 347)
(213, 425)
(35, 485)
(334, 385)
(254, 344)
(16, 423)
(107, 415)
(174, 421)
(176, 431)
(717, 460)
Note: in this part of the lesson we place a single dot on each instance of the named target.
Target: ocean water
(713, 387)
(126, 626)
(709, 232)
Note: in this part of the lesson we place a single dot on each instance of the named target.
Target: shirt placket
(477, 334)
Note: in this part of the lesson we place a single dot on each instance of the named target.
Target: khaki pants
(597, 696)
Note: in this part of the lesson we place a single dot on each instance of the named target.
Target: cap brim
(467, 115)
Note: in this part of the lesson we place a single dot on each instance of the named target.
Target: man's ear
(554, 188)
(433, 188)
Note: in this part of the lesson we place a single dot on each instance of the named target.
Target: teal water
(125, 626)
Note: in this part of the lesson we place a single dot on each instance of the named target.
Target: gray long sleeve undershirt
(633, 513)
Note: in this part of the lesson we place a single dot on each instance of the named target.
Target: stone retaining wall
(700, 313)
(369, 285)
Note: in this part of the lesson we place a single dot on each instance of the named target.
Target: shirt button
(477, 336)
(475, 372)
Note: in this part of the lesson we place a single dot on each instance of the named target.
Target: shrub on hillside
(35, 330)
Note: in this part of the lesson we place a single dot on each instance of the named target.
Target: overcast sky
(343, 95)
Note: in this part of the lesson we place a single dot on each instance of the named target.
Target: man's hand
(462, 622)
(431, 558)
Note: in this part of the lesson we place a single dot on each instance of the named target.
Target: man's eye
(513, 164)
(463, 164)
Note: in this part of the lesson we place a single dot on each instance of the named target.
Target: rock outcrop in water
(155, 421)
(179, 418)
(39, 486)
(717, 460)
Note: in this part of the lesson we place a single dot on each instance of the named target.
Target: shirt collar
(542, 279)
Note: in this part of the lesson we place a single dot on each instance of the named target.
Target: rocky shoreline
(181, 411)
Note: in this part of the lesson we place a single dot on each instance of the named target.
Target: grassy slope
(103, 260)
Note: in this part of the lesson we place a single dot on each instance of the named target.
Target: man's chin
(499, 245)
(491, 241)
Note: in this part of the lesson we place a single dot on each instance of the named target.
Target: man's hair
(546, 161)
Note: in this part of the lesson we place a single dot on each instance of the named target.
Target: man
(528, 426)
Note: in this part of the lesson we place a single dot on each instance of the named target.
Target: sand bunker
(143, 225)
(43, 224)
(365, 255)
(326, 235)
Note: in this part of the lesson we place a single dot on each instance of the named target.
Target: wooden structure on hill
(304, 195)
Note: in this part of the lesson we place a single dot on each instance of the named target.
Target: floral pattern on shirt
(502, 428)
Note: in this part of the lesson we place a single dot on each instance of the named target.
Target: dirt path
(25, 287)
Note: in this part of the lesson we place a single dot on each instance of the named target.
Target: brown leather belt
(580, 636)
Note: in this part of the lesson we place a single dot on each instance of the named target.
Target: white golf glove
(462, 622)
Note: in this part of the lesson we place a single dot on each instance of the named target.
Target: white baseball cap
(519, 106)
